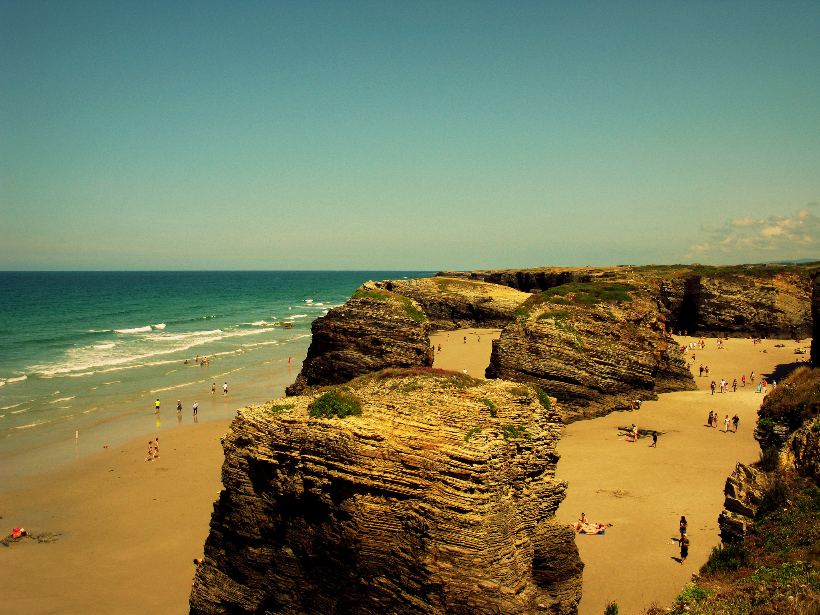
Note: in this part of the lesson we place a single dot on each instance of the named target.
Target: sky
(420, 135)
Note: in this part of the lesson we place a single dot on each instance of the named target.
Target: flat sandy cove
(130, 528)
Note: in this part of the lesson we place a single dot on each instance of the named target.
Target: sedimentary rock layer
(452, 303)
(438, 498)
(374, 329)
(595, 346)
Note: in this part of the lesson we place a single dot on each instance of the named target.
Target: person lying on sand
(590, 528)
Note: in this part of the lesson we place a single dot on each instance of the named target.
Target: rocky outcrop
(738, 304)
(452, 303)
(815, 315)
(438, 498)
(373, 330)
(789, 437)
(741, 300)
(596, 347)
(744, 493)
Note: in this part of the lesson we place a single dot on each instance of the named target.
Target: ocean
(85, 355)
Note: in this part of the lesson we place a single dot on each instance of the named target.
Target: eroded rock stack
(596, 347)
(373, 330)
(438, 498)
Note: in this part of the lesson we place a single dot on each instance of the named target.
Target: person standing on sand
(156, 406)
(706, 369)
(726, 424)
(684, 549)
(225, 389)
(734, 385)
(709, 418)
(743, 380)
(700, 370)
(213, 388)
(712, 386)
(735, 421)
(150, 451)
(654, 440)
(196, 407)
(179, 406)
(156, 448)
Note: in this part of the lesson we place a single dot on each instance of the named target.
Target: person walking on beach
(225, 389)
(706, 370)
(196, 408)
(683, 525)
(712, 386)
(735, 421)
(156, 406)
(156, 448)
(179, 406)
(654, 440)
(752, 376)
(734, 385)
(700, 370)
(684, 549)
(150, 456)
(710, 418)
(743, 380)
(726, 424)
(213, 388)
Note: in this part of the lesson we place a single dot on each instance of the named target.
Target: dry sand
(130, 528)
(644, 491)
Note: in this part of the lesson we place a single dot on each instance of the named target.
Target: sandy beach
(129, 529)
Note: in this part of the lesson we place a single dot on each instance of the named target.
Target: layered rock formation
(595, 346)
(453, 303)
(374, 329)
(742, 300)
(438, 498)
(788, 434)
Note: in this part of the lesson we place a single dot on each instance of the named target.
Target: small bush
(279, 407)
(692, 593)
(727, 557)
(611, 608)
(543, 398)
(335, 404)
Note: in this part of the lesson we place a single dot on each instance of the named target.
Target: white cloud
(749, 240)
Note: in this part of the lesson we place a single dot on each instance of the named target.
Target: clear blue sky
(415, 135)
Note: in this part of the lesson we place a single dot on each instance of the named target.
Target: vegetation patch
(491, 405)
(543, 398)
(471, 433)
(590, 293)
(727, 557)
(795, 401)
(410, 309)
(513, 432)
(279, 407)
(338, 403)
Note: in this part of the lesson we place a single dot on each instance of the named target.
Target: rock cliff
(595, 346)
(788, 437)
(437, 498)
(453, 303)
(374, 329)
(742, 300)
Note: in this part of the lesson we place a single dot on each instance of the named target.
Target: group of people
(683, 541)
(195, 406)
(203, 362)
(712, 421)
(153, 449)
(583, 526)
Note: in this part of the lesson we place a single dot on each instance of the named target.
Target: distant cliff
(436, 494)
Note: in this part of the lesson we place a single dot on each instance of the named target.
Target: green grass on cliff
(335, 404)
(575, 293)
(410, 308)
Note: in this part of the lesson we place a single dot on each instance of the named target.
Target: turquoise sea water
(84, 355)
